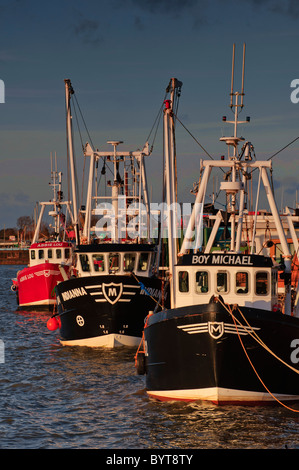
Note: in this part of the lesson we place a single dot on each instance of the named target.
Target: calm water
(56, 397)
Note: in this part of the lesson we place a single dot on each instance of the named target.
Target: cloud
(143, 10)
(17, 199)
(289, 7)
(87, 30)
(138, 23)
(174, 7)
(165, 6)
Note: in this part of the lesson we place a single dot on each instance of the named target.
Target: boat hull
(35, 286)
(106, 310)
(196, 353)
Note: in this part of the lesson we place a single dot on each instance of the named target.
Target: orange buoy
(52, 324)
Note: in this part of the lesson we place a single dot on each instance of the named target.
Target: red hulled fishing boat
(49, 260)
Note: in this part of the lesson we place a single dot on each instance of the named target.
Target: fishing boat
(224, 338)
(49, 257)
(115, 280)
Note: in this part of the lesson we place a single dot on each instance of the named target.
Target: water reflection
(70, 397)
(205, 426)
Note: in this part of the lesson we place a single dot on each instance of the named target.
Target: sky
(120, 56)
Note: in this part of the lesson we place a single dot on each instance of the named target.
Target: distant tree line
(24, 230)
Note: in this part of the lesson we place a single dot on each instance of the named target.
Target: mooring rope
(142, 286)
(255, 336)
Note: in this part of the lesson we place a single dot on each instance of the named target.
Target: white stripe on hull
(39, 302)
(105, 341)
(219, 395)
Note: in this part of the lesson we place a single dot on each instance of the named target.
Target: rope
(142, 342)
(142, 286)
(255, 336)
(139, 347)
(265, 346)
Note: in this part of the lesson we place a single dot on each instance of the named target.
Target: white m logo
(112, 292)
(216, 329)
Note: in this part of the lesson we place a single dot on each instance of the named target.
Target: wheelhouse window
(113, 262)
(143, 262)
(242, 283)
(32, 254)
(261, 283)
(98, 263)
(67, 252)
(129, 262)
(58, 253)
(84, 263)
(202, 282)
(183, 281)
(222, 282)
(41, 254)
(50, 253)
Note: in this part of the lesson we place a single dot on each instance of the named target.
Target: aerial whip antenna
(232, 81)
(243, 69)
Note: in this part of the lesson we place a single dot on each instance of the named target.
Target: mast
(56, 203)
(118, 205)
(115, 187)
(240, 164)
(86, 230)
(171, 182)
(68, 92)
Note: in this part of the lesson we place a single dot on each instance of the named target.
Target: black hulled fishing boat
(115, 279)
(225, 339)
(106, 302)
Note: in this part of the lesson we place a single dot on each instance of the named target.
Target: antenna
(232, 81)
(243, 69)
(236, 105)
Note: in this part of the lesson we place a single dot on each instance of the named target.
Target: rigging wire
(82, 145)
(84, 121)
(157, 123)
(283, 148)
(194, 138)
(286, 146)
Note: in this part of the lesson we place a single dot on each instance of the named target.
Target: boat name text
(151, 291)
(70, 294)
(222, 259)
